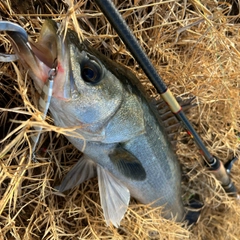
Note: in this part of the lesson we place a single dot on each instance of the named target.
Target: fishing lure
(46, 94)
(43, 105)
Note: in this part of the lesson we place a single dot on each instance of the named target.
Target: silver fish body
(123, 136)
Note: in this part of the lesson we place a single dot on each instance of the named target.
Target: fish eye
(91, 72)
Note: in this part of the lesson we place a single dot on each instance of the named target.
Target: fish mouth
(50, 51)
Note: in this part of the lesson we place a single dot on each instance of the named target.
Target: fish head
(85, 92)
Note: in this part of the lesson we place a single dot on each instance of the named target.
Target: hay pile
(195, 47)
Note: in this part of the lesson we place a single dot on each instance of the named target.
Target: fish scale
(125, 140)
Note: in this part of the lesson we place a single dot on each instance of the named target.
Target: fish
(124, 139)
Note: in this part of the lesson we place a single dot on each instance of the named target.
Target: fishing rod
(121, 27)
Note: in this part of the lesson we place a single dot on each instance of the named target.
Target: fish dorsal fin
(114, 196)
(83, 170)
(167, 119)
(127, 164)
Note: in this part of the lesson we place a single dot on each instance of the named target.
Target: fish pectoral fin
(114, 196)
(83, 170)
(127, 164)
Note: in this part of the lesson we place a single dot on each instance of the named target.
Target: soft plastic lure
(45, 98)
(43, 105)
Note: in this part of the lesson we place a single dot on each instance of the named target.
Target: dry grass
(195, 47)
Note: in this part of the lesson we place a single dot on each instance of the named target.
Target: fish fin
(169, 120)
(114, 196)
(83, 170)
(194, 211)
(127, 164)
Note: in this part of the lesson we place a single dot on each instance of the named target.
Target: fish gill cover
(195, 47)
